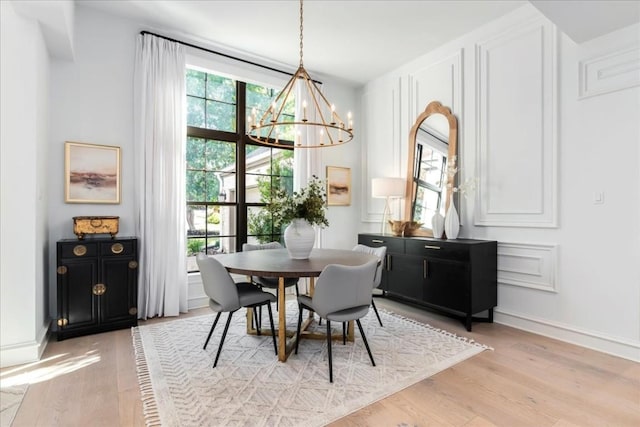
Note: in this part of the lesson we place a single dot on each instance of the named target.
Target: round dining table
(277, 263)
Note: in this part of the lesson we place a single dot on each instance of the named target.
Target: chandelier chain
(301, 33)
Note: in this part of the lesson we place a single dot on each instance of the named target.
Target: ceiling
(349, 39)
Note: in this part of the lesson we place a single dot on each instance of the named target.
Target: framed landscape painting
(91, 173)
(338, 186)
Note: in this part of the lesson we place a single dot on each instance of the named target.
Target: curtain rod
(219, 53)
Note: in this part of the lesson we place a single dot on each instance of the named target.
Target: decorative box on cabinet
(97, 285)
(457, 277)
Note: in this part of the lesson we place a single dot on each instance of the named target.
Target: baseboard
(26, 352)
(594, 341)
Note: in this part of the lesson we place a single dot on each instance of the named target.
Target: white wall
(24, 173)
(92, 102)
(566, 266)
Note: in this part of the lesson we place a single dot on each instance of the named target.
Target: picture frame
(338, 186)
(91, 173)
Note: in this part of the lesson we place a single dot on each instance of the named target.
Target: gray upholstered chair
(380, 253)
(342, 293)
(269, 282)
(227, 296)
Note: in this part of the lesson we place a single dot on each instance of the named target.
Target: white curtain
(307, 161)
(160, 146)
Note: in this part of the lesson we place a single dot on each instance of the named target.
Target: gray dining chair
(269, 282)
(342, 293)
(227, 296)
(380, 252)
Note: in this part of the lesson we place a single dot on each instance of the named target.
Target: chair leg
(344, 333)
(366, 344)
(255, 315)
(273, 329)
(259, 320)
(277, 297)
(375, 309)
(215, 322)
(224, 334)
(299, 326)
(329, 351)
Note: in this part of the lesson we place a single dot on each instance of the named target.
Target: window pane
(260, 226)
(195, 111)
(220, 156)
(195, 83)
(227, 189)
(259, 101)
(221, 116)
(212, 230)
(196, 149)
(282, 163)
(221, 89)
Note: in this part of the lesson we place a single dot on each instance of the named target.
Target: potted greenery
(301, 211)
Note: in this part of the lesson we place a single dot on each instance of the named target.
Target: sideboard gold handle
(117, 248)
(431, 247)
(62, 322)
(133, 265)
(79, 250)
(99, 289)
(133, 310)
(62, 269)
(377, 241)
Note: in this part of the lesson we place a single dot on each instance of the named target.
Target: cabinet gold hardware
(133, 265)
(377, 241)
(117, 248)
(62, 269)
(431, 247)
(133, 310)
(99, 289)
(62, 322)
(79, 250)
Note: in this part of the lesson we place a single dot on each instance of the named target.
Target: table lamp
(387, 188)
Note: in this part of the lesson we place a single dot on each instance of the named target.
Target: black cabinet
(97, 285)
(457, 277)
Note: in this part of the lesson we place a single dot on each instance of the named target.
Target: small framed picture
(91, 173)
(338, 186)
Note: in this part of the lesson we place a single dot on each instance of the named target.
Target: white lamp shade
(388, 187)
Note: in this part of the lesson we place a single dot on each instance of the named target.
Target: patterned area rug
(250, 387)
(10, 400)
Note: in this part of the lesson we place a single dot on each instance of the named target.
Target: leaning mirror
(432, 145)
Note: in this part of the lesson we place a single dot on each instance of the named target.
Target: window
(229, 178)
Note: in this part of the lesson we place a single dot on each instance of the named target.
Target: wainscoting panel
(516, 127)
(380, 106)
(529, 265)
(439, 81)
(611, 72)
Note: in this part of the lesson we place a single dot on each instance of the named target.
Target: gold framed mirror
(433, 143)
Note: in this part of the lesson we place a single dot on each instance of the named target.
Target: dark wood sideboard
(456, 277)
(97, 285)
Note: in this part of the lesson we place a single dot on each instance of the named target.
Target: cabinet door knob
(117, 248)
(431, 247)
(79, 250)
(99, 289)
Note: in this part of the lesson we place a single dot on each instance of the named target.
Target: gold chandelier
(317, 124)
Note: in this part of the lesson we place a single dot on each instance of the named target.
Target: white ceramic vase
(299, 237)
(437, 225)
(451, 222)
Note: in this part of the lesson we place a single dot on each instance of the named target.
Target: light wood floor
(528, 380)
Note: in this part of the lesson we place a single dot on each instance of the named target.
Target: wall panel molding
(528, 265)
(608, 73)
(516, 127)
(381, 109)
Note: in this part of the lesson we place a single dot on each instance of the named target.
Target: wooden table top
(276, 262)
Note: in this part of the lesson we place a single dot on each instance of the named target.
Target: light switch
(598, 198)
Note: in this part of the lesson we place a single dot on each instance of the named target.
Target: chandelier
(316, 124)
